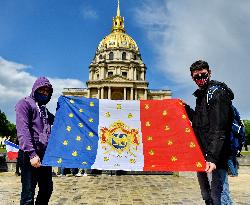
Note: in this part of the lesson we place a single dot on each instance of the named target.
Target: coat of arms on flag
(150, 135)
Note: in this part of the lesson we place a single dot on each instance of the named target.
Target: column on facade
(136, 94)
(98, 93)
(125, 94)
(134, 74)
(102, 93)
(130, 73)
(89, 93)
(103, 72)
(132, 94)
(142, 74)
(145, 94)
(118, 70)
(109, 93)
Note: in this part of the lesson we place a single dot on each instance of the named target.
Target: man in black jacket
(211, 122)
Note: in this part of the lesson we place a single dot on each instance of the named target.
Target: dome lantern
(118, 37)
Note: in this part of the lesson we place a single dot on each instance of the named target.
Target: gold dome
(117, 38)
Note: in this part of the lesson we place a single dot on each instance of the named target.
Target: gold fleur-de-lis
(105, 159)
(187, 130)
(192, 145)
(170, 142)
(91, 134)
(91, 104)
(80, 124)
(84, 163)
(173, 158)
(78, 138)
(184, 116)
(91, 120)
(68, 128)
(198, 164)
(150, 138)
(107, 114)
(167, 128)
(164, 113)
(72, 101)
(71, 115)
(148, 124)
(65, 142)
(59, 161)
(132, 161)
(146, 106)
(151, 152)
(130, 115)
(74, 154)
(181, 103)
(119, 106)
(88, 148)
(81, 110)
(153, 166)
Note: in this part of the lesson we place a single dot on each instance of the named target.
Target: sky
(58, 39)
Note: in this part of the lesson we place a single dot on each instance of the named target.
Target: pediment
(117, 78)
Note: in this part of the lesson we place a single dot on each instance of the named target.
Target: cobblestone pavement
(126, 189)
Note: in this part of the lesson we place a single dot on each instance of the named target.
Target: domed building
(117, 71)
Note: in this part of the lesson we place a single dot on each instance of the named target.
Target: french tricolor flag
(12, 150)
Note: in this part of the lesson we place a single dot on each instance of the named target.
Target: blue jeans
(232, 165)
(30, 177)
(214, 187)
(225, 196)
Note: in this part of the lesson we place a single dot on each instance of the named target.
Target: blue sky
(58, 39)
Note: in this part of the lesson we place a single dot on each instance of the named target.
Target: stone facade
(117, 71)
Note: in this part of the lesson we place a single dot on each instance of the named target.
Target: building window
(97, 76)
(110, 74)
(134, 57)
(100, 57)
(124, 74)
(111, 56)
(124, 56)
(137, 77)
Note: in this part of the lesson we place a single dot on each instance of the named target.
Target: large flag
(12, 150)
(150, 135)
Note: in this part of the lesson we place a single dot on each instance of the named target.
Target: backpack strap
(211, 91)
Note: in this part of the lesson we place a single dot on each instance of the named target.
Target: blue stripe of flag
(6, 142)
(74, 139)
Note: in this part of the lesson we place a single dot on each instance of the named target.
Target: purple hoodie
(33, 128)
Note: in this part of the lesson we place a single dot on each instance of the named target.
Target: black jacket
(212, 123)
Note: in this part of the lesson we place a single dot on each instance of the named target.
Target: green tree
(6, 127)
(247, 127)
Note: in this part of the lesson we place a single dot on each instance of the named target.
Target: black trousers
(30, 177)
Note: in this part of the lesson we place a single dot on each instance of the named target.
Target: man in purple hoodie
(33, 123)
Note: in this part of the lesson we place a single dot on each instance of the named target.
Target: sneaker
(78, 175)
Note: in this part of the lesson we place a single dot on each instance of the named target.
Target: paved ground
(126, 189)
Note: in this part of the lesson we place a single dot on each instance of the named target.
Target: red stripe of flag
(169, 143)
(12, 155)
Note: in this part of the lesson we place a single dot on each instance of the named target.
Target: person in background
(212, 123)
(33, 124)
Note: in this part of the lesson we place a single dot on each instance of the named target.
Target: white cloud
(16, 82)
(182, 32)
(89, 13)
